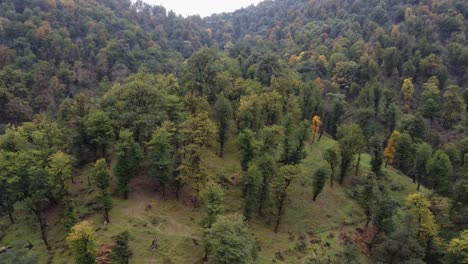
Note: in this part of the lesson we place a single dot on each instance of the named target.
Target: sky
(202, 7)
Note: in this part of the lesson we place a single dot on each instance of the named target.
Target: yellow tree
(82, 242)
(389, 152)
(408, 90)
(420, 207)
(459, 247)
(315, 126)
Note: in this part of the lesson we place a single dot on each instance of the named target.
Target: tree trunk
(332, 176)
(43, 227)
(280, 212)
(358, 164)
(343, 169)
(315, 197)
(10, 210)
(106, 215)
(221, 152)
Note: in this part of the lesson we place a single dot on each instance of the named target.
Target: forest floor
(325, 225)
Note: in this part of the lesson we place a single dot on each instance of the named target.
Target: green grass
(176, 224)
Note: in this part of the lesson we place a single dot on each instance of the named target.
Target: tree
(377, 155)
(350, 140)
(439, 170)
(404, 154)
(319, 179)
(332, 156)
(99, 128)
(139, 104)
(129, 156)
(247, 148)
(316, 123)
(82, 242)
(70, 216)
(420, 207)
(251, 182)
(223, 116)
(59, 171)
(422, 156)
(408, 90)
(102, 180)
(431, 98)
(267, 168)
(162, 154)
(121, 252)
(458, 248)
(197, 132)
(280, 186)
(368, 195)
(229, 241)
(453, 106)
(213, 197)
(389, 152)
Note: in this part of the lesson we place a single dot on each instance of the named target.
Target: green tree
(368, 195)
(377, 155)
(162, 155)
(251, 182)
(453, 106)
(458, 248)
(247, 148)
(229, 241)
(280, 186)
(59, 170)
(404, 154)
(350, 138)
(102, 180)
(213, 197)
(129, 157)
(332, 156)
(70, 215)
(83, 242)
(121, 253)
(422, 157)
(319, 179)
(223, 116)
(439, 170)
(431, 98)
(267, 168)
(99, 128)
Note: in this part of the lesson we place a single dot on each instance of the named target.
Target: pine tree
(121, 252)
(377, 156)
(319, 179)
(332, 156)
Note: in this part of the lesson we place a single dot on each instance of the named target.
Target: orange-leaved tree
(389, 152)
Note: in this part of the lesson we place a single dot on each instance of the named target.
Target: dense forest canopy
(328, 95)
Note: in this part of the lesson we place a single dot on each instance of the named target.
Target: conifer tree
(319, 179)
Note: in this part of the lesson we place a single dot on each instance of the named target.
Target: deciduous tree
(129, 156)
(83, 242)
(319, 179)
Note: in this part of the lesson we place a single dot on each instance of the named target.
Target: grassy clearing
(176, 224)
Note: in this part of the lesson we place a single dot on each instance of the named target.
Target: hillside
(175, 223)
(287, 132)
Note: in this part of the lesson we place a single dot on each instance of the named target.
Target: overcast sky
(202, 7)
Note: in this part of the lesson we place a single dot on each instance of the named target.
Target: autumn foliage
(389, 152)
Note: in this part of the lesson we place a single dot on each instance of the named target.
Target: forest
(292, 131)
